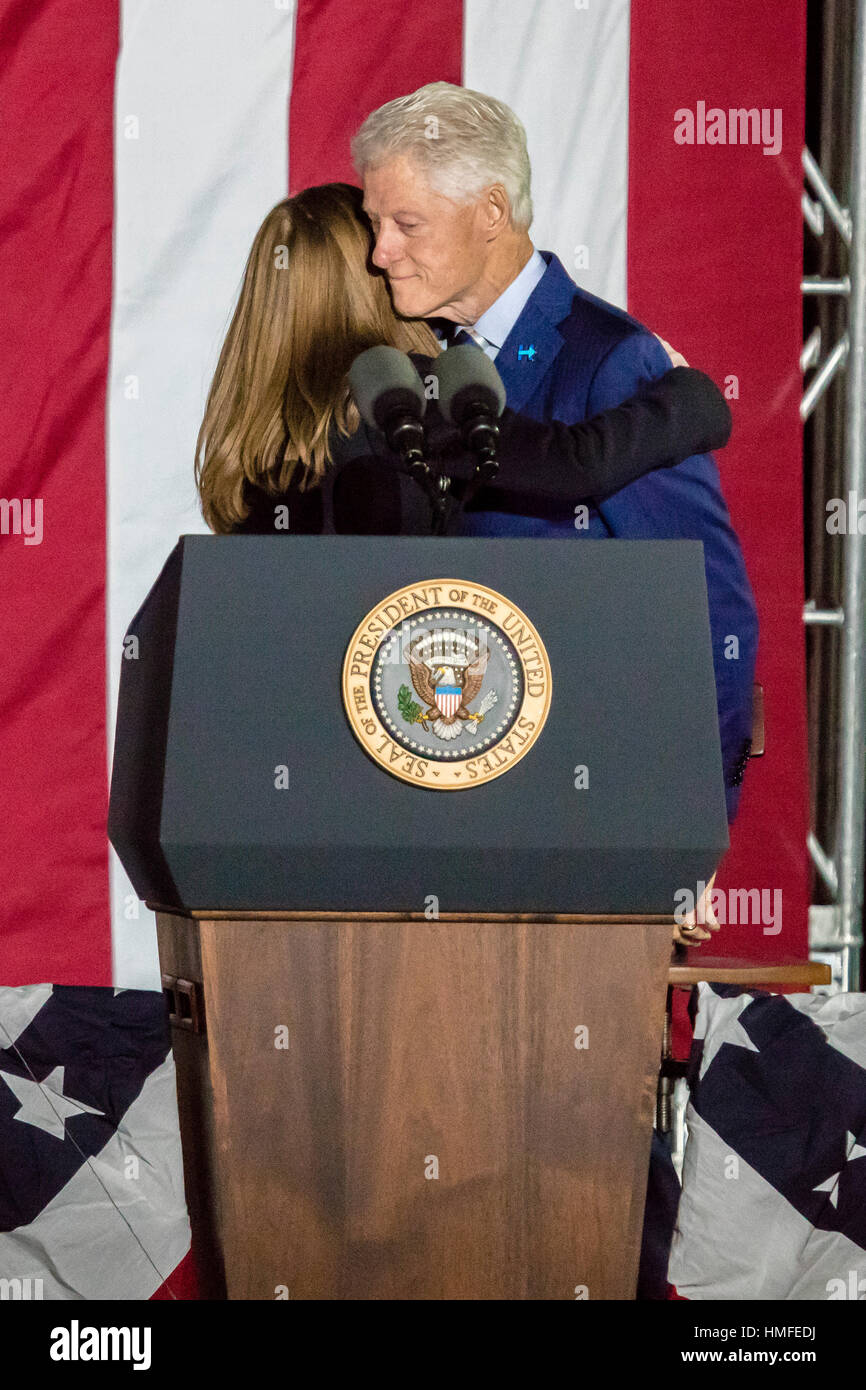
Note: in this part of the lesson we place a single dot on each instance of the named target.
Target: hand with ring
(691, 932)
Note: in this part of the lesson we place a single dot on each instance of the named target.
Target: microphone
(390, 397)
(472, 397)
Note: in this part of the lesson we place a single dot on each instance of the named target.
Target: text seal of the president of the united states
(446, 684)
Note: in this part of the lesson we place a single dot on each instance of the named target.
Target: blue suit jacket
(587, 355)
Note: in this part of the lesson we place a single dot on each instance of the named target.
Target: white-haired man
(446, 178)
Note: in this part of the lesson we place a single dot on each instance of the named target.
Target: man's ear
(497, 213)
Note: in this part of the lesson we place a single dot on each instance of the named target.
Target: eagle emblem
(446, 684)
(447, 668)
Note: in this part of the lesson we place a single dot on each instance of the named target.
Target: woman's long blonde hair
(309, 303)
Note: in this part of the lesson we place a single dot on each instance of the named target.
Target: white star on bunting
(37, 1109)
(853, 1150)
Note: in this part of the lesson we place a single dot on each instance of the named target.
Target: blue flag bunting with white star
(91, 1180)
(774, 1178)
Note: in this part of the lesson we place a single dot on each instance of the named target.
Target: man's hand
(677, 359)
(690, 932)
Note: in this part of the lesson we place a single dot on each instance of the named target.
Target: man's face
(433, 250)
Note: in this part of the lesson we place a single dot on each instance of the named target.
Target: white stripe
(737, 1238)
(208, 82)
(564, 71)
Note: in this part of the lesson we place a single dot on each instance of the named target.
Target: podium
(413, 814)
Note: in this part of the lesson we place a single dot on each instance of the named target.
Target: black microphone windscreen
(466, 373)
(382, 379)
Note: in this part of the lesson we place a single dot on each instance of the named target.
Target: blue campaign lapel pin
(526, 352)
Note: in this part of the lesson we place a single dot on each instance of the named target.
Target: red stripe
(182, 1284)
(56, 94)
(350, 57)
(715, 259)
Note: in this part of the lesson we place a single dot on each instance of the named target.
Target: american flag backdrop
(143, 143)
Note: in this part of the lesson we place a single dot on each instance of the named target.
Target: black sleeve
(666, 421)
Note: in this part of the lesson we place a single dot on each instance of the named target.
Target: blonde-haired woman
(280, 427)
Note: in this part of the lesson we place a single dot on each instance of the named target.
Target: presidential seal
(446, 684)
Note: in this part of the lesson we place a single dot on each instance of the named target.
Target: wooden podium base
(396, 1108)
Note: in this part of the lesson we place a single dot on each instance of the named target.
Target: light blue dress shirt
(496, 323)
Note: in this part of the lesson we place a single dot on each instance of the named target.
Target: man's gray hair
(462, 141)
